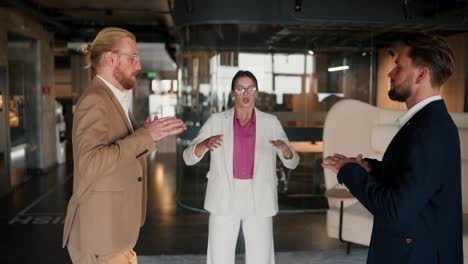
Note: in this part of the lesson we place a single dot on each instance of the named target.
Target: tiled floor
(31, 220)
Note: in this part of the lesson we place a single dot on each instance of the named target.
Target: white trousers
(257, 231)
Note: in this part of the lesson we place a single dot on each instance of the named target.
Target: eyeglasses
(250, 90)
(135, 57)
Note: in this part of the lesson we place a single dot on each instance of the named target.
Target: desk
(342, 195)
(307, 146)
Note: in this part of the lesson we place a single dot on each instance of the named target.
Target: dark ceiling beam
(100, 21)
(170, 17)
(142, 33)
(29, 10)
(153, 37)
(335, 13)
(111, 9)
(255, 47)
(286, 12)
(85, 28)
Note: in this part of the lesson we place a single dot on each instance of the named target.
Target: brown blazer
(108, 205)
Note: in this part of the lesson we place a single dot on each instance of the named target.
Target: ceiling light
(322, 96)
(338, 68)
(311, 52)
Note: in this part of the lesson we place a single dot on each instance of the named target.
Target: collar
(121, 96)
(402, 120)
(252, 119)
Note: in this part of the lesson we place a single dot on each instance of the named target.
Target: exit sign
(151, 75)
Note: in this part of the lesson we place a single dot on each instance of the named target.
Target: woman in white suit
(241, 189)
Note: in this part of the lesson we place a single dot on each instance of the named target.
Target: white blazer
(220, 175)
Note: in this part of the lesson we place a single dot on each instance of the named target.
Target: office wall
(63, 83)
(455, 88)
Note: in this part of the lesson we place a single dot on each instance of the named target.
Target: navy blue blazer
(414, 193)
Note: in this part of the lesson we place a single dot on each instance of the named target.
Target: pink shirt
(244, 148)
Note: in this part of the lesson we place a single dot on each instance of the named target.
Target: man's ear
(423, 73)
(108, 59)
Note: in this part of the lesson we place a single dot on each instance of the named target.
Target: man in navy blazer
(414, 193)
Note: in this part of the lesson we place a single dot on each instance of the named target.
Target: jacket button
(140, 179)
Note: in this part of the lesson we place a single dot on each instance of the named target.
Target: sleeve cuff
(347, 171)
(195, 156)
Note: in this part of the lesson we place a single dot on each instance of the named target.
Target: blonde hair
(105, 41)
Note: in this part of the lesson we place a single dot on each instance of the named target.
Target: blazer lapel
(259, 123)
(132, 119)
(116, 102)
(411, 122)
(228, 132)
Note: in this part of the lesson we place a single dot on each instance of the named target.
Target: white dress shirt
(122, 97)
(413, 110)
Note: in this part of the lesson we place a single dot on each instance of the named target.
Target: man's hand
(279, 144)
(160, 128)
(364, 163)
(335, 162)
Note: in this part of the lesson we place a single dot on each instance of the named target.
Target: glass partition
(23, 102)
(298, 86)
(5, 185)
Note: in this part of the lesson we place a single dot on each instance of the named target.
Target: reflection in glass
(13, 116)
(286, 85)
(23, 105)
(5, 184)
(296, 87)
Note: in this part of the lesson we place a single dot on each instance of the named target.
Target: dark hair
(431, 51)
(240, 74)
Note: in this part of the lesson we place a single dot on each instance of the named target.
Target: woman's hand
(279, 144)
(213, 142)
(210, 143)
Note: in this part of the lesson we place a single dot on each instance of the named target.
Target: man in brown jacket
(108, 204)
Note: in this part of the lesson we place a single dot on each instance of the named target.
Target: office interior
(306, 55)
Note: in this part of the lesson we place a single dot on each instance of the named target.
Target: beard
(399, 96)
(127, 82)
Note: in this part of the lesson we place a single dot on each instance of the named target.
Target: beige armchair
(353, 127)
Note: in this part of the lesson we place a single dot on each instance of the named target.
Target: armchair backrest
(461, 120)
(352, 127)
